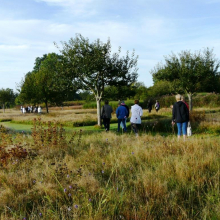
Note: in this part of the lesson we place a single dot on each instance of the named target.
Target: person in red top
(183, 100)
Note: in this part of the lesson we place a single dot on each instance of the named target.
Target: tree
(94, 67)
(187, 70)
(6, 96)
(46, 82)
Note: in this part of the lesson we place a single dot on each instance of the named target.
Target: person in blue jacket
(121, 113)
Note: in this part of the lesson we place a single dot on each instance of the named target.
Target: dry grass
(109, 176)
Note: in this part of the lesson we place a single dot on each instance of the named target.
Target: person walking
(157, 106)
(123, 104)
(180, 116)
(121, 113)
(136, 113)
(106, 114)
(149, 106)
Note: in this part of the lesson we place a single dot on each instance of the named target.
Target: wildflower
(102, 171)
(69, 209)
(70, 187)
(24, 218)
(34, 181)
(68, 176)
(64, 190)
(69, 194)
(40, 214)
(76, 206)
(103, 163)
(90, 200)
(132, 152)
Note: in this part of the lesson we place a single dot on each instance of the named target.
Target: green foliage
(7, 97)
(160, 88)
(93, 66)
(189, 72)
(46, 83)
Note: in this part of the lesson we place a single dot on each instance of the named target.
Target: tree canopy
(93, 66)
(46, 82)
(188, 71)
(7, 96)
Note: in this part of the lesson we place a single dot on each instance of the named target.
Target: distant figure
(121, 113)
(21, 109)
(180, 116)
(157, 106)
(136, 113)
(123, 104)
(39, 110)
(149, 106)
(106, 114)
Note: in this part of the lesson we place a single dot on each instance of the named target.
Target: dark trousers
(106, 122)
(135, 127)
(123, 122)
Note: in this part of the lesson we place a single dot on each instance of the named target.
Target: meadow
(63, 166)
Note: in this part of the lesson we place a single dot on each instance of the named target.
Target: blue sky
(153, 28)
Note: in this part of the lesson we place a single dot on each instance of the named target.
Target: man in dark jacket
(180, 116)
(106, 114)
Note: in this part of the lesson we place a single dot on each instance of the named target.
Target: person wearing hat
(123, 104)
(121, 113)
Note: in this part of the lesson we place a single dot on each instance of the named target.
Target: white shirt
(136, 113)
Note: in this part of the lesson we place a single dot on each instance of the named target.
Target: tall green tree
(187, 71)
(93, 66)
(46, 83)
(6, 96)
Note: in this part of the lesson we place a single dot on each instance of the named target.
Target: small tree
(187, 71)
(93, 66)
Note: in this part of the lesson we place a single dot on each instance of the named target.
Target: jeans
(123, 122)
(182, 128)
(122, 125)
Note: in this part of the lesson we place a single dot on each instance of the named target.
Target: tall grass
(52, 174)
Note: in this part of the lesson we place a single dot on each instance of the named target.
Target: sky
(153, 28)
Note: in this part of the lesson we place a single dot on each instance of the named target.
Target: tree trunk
(46, 104)
(98, 101)
(190, 101)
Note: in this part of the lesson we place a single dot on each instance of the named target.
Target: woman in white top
(136, 113)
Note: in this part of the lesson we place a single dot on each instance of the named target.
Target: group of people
(122, 113)
(180, 115)
(31, 109)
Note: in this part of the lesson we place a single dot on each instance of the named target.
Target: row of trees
(84, 69)
(80, 65)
